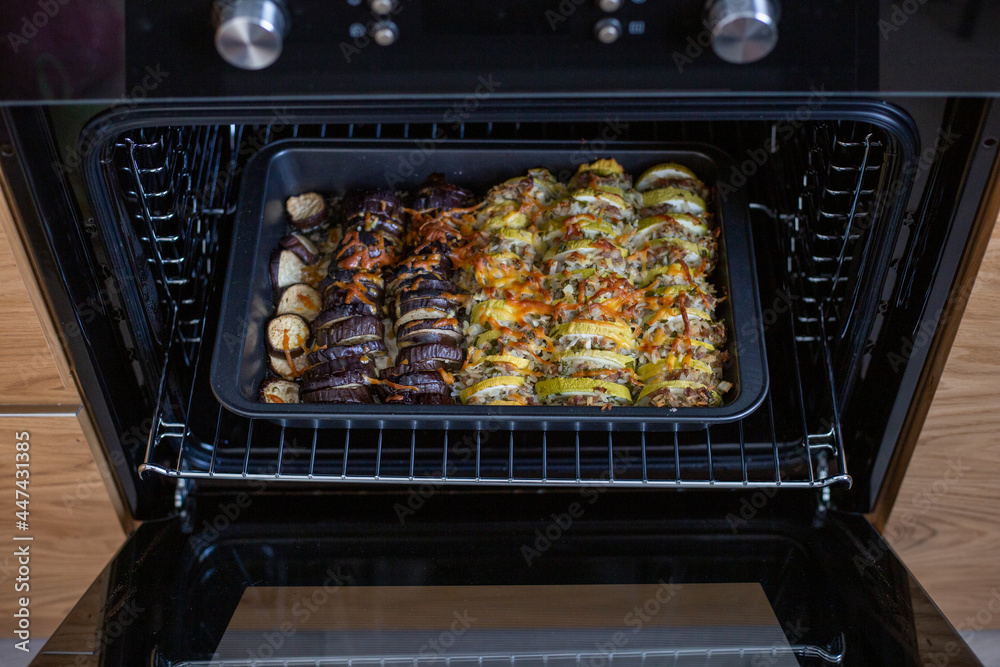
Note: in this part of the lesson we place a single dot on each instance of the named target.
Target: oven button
(385, 33)
(610, 5)
(250, 34)
(383, 7)
(743, 31)
(607, 31)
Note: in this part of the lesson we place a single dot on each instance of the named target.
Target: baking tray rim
(236, 304)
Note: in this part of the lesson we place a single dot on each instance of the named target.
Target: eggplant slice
(339, 395)
(438, 194)
(306, 211)
(300, 299)
(444, 356)
(372, 348)
(287, 333)
(301, 246)
(278, 391)
(286, 269)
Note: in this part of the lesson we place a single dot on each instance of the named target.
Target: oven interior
(826, 189)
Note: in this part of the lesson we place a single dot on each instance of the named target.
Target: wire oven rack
(792, 441)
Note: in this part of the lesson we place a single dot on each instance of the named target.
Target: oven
(862, 144)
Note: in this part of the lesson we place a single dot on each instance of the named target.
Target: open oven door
(587, 578)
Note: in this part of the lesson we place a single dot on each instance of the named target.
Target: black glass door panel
(836, 590)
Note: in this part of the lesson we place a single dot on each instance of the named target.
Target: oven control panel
(349, 47)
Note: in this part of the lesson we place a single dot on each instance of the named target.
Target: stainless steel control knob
(743, 31)
(250, 34)
(385, 33)
(607, 31)
(383, 7)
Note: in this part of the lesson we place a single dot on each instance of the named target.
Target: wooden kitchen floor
(946, 521)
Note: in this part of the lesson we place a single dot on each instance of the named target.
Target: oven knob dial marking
(250, 34)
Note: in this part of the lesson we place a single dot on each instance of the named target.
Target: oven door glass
(573, 584)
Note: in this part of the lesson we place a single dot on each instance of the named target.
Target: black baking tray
(293, 166)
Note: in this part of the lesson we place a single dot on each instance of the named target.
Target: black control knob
(250, 34)
(743, 31)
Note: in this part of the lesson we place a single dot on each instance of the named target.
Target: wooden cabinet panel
(30, 372)
(945, 523)
(71, 519)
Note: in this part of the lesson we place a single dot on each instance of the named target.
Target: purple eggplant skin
(334, 380)
(335, 295)
(419, 280)
(345, 253)
(455, 300)
(429, 264)
(420, 383)
(337, 313)
(438, 247)
(375, 223)
(429, 324)
(419, 357)
(338, 395)
(304, 249)
(418, 398)
(422, 284)
(335, 275)
(438, 194)
(307, 211)
(382, 201)
(286, 269)
(427, 303)
(372, 348)
(428, 338)
(359, 325)
(362, 364)
(351, 332)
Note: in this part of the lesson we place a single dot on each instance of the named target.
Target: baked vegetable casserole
(593, 292)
